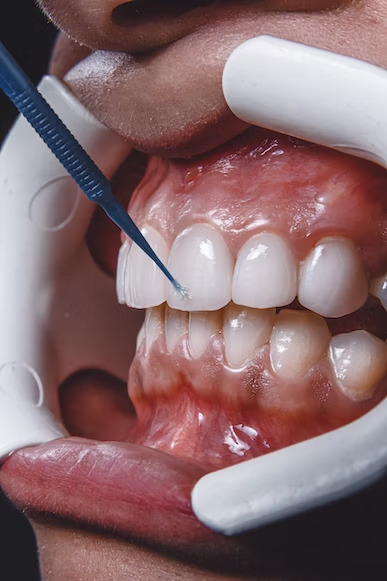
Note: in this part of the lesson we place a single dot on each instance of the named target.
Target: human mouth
(280, 370)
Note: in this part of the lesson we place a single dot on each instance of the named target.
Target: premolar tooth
(244, 331)
(359, 362)
(378, 288)
(333, 282)
(265, 273)
(121, 270)
(202, 326)
(201, 261)
(153, 326)
(176, 326)
(298, 341)
(145, 284)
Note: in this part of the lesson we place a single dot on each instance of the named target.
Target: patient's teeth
(202, 326)
(378, 288)
(153, 326)
(298, 341)
(121, 268)
(265, 273)
(332, 279)
(176, 326)
(144, 282)
(245, 330)
(201, 261)
(359, 362)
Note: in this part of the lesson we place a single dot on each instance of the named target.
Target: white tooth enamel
(333, 282)
(265, 273)
(121, 268)
(298, 341)
(244, 331)
(153, 326)
(202, 326)
(144, 282)
(176, 326)
(201, 261)
(378, 288)
(359, 362)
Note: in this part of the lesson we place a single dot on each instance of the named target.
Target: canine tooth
(244, 331)
(202, 326)
(144, 282)
(298, 341)
(153, 326)
(333, 282)
(265, 273)
(378, 288)
(121, 268)
(176, 326)
(201, 261)
(359, 362)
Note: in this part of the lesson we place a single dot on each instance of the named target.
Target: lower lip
(130, 489)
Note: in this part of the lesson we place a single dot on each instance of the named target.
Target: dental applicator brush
(22, 92)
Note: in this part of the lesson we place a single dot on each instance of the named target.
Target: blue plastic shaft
(22, 92)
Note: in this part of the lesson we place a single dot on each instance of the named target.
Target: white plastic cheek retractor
(58, 310)
(341, 103)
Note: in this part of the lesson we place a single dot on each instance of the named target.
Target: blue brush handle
(22, 92)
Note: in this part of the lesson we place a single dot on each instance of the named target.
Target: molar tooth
(202, 326)
(145, 284)
(153, 326)
(176, 326)
(333, 282)
(378, 288)
(121, 271)
(359, 361)
(298, 341)
(244, 331)
(201, 261)
(265, 273)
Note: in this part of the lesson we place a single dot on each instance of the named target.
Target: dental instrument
(338, 102)
(71, 155)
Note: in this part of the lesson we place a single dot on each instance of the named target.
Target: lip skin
(333, 542)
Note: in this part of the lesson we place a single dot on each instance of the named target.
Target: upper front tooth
(333, 282)
(298, 341)
(265, 273)
(359, 362)
(121, 271)
(201, 261)
(144, 282)
(244, 331)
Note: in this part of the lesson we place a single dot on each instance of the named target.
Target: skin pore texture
(156, 80)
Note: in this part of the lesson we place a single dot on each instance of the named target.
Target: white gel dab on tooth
(359, 362)
(202, 326)
(265, 273)
(201, 261)
(299, 340)
(244, 331)
(145, 284)
(333, 282)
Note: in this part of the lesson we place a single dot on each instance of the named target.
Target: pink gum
(263, 181)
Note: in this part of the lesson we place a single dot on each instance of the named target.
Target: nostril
(135, 9)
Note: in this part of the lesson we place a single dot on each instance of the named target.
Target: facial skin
(103, 49)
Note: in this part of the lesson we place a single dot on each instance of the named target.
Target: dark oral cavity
(137, 9)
